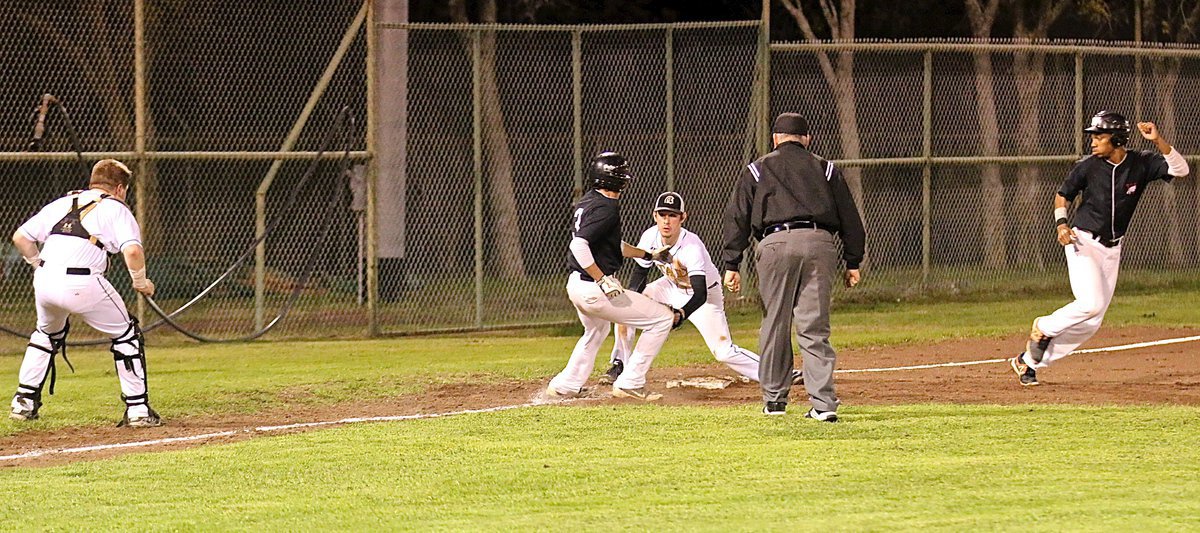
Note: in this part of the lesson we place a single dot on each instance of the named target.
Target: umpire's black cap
(790, 124)
(669, 201)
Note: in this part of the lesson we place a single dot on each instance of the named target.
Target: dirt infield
(1156, 375)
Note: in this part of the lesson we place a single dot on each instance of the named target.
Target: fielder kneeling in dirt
(79, 230)
(691, 283)
(1112, 181)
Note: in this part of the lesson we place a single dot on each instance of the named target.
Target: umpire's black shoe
(775, 408)
(1025, 372)
(614, 371)
(823, 416)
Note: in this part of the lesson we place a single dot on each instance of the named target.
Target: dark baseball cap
(790, 124)
(669, 201)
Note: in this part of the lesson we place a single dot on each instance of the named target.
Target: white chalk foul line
(268, 429)
(1134, 346)
(355, 420)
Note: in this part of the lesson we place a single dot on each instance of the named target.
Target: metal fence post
(372, 174)
(139, 121)
(1078, 101)
(926, 169)
(764, 79)
(477, 165)
(670, 108)
(577, 106)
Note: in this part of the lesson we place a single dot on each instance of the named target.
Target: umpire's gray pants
(795, 272)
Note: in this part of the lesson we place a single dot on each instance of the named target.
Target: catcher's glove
(675, 272)
(662, 255)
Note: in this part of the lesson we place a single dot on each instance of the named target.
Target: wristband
(138, 277)
(1060, 215)
(647, 256)
(1060, 222)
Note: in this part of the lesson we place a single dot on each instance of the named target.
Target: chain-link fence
(499, 123)
(212, 104)
(473, 152)
(957, 150)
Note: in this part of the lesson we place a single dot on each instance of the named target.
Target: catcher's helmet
(609, 171)
(1110, 122)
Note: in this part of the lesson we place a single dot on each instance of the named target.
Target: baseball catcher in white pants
(596, 253)
(690, 282)
(78, 231)
(1112, 181)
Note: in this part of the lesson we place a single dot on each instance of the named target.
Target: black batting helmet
(609, 171)
(1110, 122)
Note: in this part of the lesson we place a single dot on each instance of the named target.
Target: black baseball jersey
(597, 220)
(1111, 191)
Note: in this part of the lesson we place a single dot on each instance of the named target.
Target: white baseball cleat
(554, 394)
(24, 409)
(639, 393)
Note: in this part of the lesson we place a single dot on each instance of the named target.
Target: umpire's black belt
(796, 224)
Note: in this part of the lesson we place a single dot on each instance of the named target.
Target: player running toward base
(1112, 181)
(690, 283)
(596, 253)
(78, 231)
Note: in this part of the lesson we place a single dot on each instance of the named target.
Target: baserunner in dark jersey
(596, 253)
(1112, 181)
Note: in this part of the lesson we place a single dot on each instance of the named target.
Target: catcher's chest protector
(72, 223)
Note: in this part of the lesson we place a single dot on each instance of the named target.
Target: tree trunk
(995, 245)
(847, 111)
(1032, 206)
(1166, 71)
(500, 200)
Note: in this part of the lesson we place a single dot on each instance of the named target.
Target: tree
(1173, 22)
(501, 196)
(839, 74)
(1030, 70)
(995, 245)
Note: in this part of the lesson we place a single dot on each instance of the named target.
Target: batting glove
(611, 286)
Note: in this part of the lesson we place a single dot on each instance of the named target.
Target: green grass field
(948, 467)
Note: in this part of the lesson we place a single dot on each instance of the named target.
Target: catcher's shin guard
(129, 357)
(39, 366)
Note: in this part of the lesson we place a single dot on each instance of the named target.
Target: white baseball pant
(710, 321)
(597, 313)
(92, 298)
(1092, 268)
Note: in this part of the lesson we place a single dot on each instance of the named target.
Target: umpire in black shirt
(795, 204)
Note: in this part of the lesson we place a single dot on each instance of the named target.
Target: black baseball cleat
(797, 377)
(823, 416)
(614, 371)
(775, 408)
(1025, 372)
